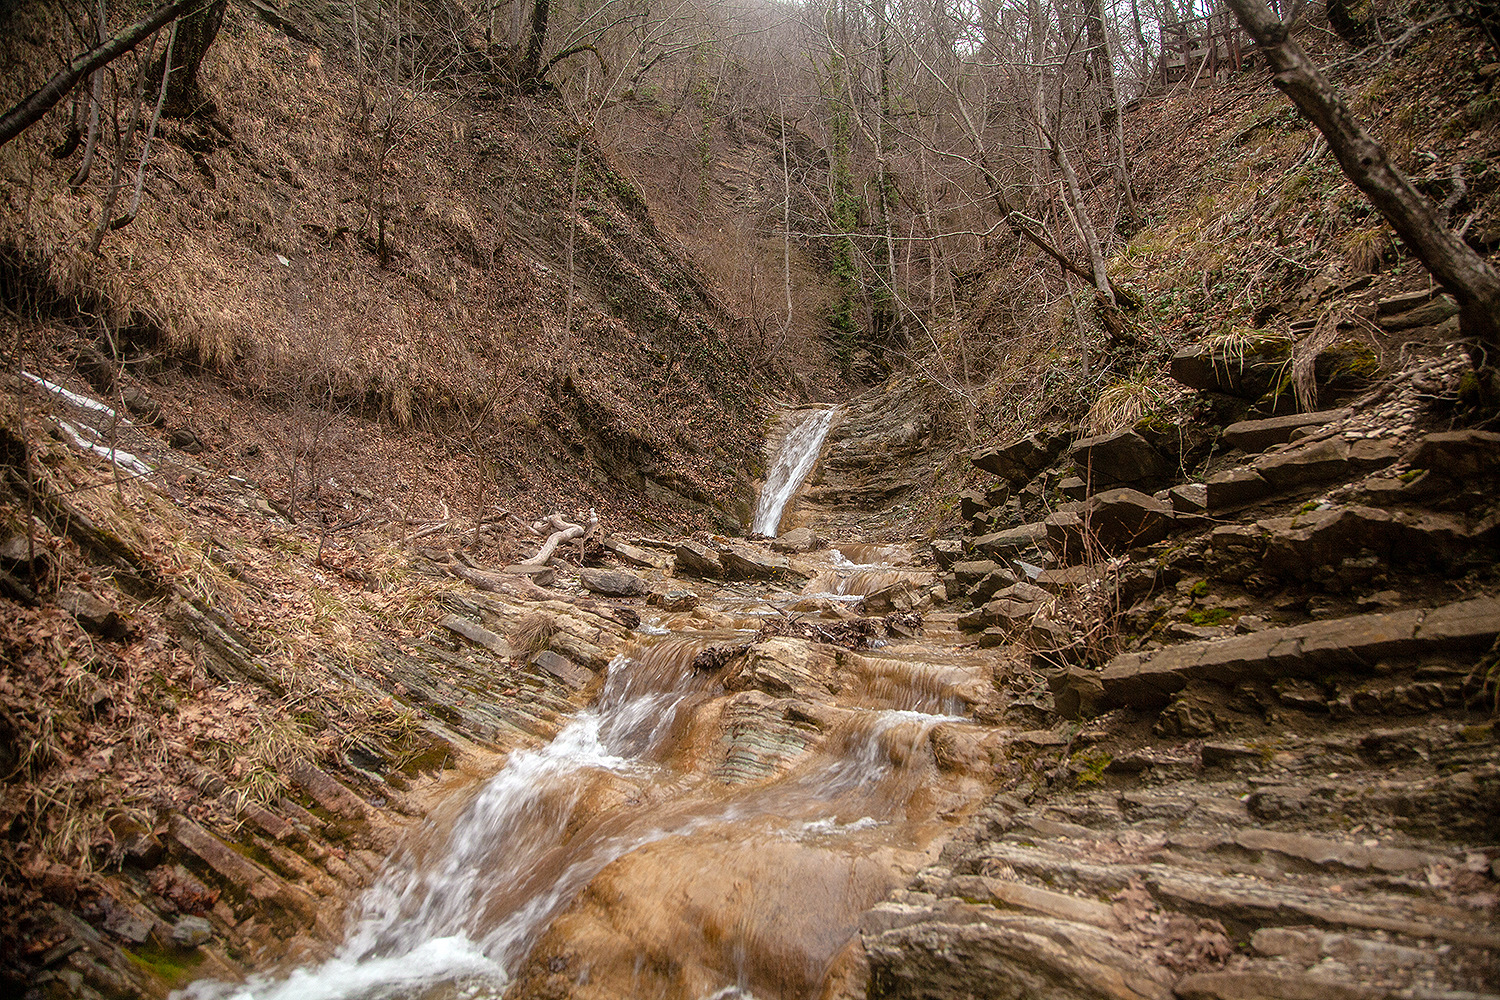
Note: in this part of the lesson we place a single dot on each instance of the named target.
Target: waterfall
(466, 908)
(514, 857)
(798, 455)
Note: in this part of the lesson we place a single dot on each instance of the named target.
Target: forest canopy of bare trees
(905, 144)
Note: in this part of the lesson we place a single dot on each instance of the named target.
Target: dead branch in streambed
(857, 633)
(562, 531)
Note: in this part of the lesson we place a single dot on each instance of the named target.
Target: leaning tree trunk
(531, 62)
(31, 108)
(195, 33)
(1471, 279)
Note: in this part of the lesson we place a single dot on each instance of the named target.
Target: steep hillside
(341, 244)
(1249, 236)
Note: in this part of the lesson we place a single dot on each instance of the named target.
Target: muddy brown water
(690, 834)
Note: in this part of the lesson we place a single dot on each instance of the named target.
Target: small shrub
(1122, 404)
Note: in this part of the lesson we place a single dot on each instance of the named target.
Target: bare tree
(30, 109)
(1471, 279)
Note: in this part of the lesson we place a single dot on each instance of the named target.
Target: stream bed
(735, 797)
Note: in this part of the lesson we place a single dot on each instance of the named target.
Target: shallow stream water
(691, 834)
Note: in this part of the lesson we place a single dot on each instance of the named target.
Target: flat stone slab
(635, 556)
(1457, 454)
(562, 668)
(326, 790)
(1322, 851)
(247, 877)
(1321, 461)
(1258, 435)
(1148, 680)
(744, 563)
(477, 634)
(699, 560)
(1002, 543)
(612, 583)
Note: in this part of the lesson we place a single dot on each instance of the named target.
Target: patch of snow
(82, 402)
(123, 459)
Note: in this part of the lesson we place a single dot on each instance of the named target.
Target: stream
(692, 833)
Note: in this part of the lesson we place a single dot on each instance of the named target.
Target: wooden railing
(1199, 45)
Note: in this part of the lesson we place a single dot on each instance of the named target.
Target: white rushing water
(508, 866)
(467, 911)
(798, 455)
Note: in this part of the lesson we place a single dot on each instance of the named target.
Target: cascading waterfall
(468, 910)
(798, 455)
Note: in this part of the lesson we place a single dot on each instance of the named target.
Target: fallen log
(562, 531)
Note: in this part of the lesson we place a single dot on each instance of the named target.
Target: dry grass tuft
(534, 632)
(1122, 404)
(1364, 248)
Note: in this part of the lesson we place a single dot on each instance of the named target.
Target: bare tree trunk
(1471, 279)
(786, 221)
(140, 173)
(1078, 214)
(882, 152)
(531, 62)
(122, 146)
(195, 33)
(31, 108)
(96, 98)
(1101, 55)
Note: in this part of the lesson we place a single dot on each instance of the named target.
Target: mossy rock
(1347, 366)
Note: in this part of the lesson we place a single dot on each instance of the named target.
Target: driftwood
(855, 633)
(502, 583)
(562, 531)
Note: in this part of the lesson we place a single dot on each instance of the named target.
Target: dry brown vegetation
(412, 272)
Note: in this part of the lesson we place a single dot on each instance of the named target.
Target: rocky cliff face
(1272, 646)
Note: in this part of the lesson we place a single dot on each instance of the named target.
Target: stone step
(1258, 435)
(1148, 680)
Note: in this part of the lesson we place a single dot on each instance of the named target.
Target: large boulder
(1122, 518)
(1234, 488)
(947, 551)
(700, 560)
(1457, 454)
(1324, 544)
(1120, 459)
(1004, 544)
(1006, 612)
(797, 540)
(747, 564)
(1247, 371)
(967, 573)
(1019, 460)
(972, 503)
(612, 583)
(991, 584)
